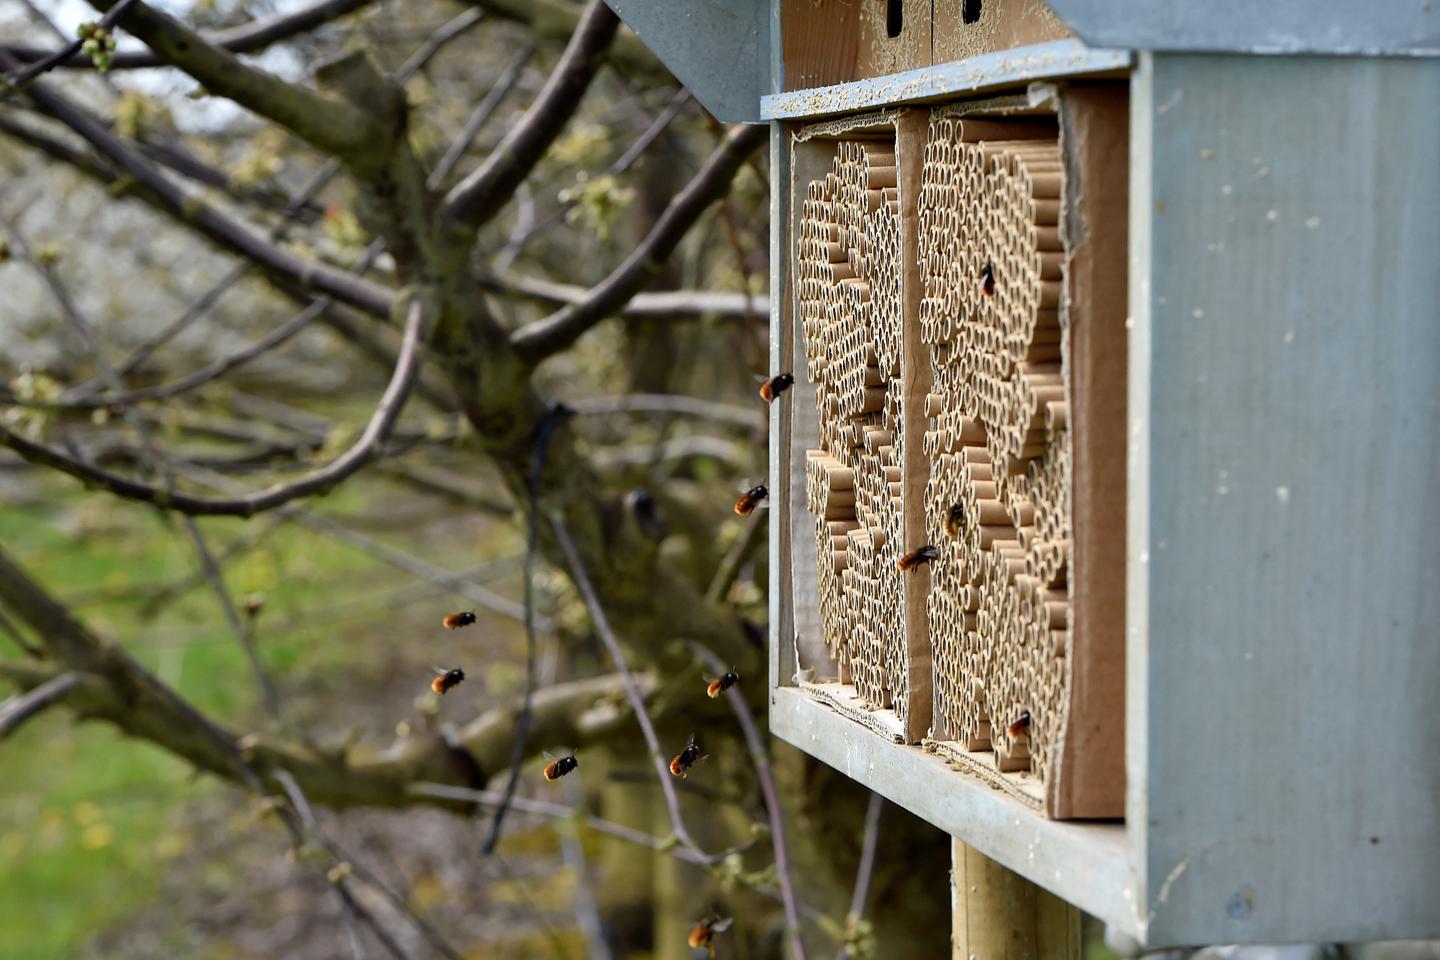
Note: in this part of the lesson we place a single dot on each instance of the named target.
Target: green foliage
(597, 204)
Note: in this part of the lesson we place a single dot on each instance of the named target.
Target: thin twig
(632, 691)
(13, 83)
(543, 435)
(587, 910)
(544, 337)
(866, 869)
(734, 561)
(364, 450)
(385, 553)
(761, 760)
(23, 706)
(246, 38)
(479, 117)
(673, 403)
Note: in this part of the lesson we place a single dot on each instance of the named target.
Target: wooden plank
(1089, 775)
(996, 914)
(1060, 58)
(820, 43)
(910, 133)
(1284, 461)
(878, 53)
(1087, 864)
(997, 25)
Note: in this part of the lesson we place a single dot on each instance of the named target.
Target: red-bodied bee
(559, 766)
(686, 758)
(751, 499)
(722, 683)
(987, 281)
(776, 385)
(954, 519)
(454, 621)
(703, 933)
(1021, 724)
(914, 558)
(446, 680)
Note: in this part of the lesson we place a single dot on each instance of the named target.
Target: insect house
(1105, 528)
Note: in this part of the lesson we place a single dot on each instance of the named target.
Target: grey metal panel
(782, 628)
(720, 49)
(1285, 553)
(1377, 27)
(1060, 58)
(1085, 864)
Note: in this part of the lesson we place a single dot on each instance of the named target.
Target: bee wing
(763, 378)
(440, 671)
(720, 926)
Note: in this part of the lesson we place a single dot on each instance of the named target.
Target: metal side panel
(720, 49)
(1382, 27)
(1287, 563)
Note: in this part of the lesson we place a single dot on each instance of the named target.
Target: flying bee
(454, 621)
(686, 758)
(446, 680)
(776, 385)
(954, 518)
(703, 933)
(722, 683)
(987, 281)
(559, 766)
(1021, 724)
(751, 499)
(914, 558)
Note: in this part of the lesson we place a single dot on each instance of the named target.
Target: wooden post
(999, 915)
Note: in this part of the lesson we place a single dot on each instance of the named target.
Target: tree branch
(366, 448)
(545, 337)
(332, 126)
(23, 706)
(22, 77)
(220, 229)
(247, 38)
(555, 20)
(659, 305)
(480, 196)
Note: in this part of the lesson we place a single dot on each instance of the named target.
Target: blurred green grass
(89, 818)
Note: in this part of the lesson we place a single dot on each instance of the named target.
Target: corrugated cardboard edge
(911, 128)
(842, 698)
(1089, 773)
(812, 660)
(981, 765)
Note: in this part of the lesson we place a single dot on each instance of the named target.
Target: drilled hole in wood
(969, 13)
(895, 17)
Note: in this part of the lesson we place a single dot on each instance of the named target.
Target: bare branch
(480, 196)
(332, 126)
(22, 77)
(760, 758)
(865, 871)
(248, 38)
(555, 20)
(545, 337)
(369, 445)
(482, 113)
(632, 691)
(729, 569)
(669, 403)
(220, 229)
(23, 706)
(659, 305)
